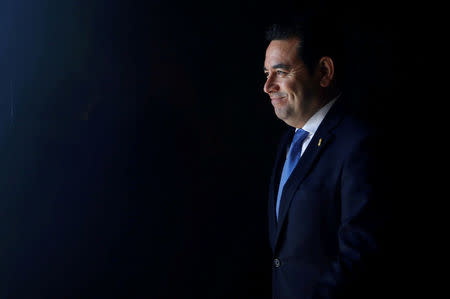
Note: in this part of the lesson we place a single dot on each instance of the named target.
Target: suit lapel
(307, 160)
(275, 180)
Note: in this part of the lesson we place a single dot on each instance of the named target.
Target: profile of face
(292, 90)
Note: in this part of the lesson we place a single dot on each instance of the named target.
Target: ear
(326, 67)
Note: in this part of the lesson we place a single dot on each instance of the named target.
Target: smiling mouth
(277, 100)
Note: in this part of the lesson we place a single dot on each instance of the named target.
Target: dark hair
(319, 36)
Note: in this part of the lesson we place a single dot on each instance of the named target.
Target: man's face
(288, 84)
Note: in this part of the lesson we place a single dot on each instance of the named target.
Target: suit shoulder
(353, 130)
(356, 125)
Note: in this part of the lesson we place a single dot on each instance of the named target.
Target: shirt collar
(313, 123)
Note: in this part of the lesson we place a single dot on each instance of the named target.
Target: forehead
(282, 51)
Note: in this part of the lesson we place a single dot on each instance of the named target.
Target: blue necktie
(291, 160)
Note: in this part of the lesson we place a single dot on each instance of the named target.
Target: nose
(270, 85)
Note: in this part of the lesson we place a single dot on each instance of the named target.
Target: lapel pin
(320, 142)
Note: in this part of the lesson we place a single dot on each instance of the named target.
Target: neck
(327, 94)
(324, 98)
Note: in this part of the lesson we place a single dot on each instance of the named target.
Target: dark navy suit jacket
(331, 218)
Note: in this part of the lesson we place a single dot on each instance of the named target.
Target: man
(324, 200)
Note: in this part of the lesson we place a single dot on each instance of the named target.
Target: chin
(282, 114)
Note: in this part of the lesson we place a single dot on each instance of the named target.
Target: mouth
(277, 100)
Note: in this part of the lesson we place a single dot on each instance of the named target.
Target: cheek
(288, 86)
(294, 89)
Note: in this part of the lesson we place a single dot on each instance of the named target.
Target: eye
(281, 73)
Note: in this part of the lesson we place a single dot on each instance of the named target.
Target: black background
(137, 143)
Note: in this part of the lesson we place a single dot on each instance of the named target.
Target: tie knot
(300, 134)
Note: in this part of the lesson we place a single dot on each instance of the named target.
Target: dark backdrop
(137, 144)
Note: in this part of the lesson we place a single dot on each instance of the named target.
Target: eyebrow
(280, 66)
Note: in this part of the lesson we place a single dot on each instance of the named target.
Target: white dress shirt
(313, 123)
